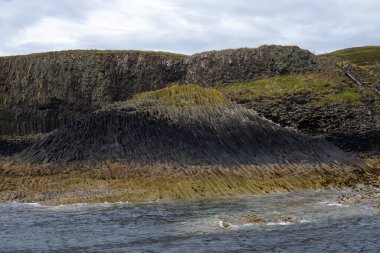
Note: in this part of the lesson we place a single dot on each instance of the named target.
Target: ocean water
(321, 225)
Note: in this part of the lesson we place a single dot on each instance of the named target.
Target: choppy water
(323, 226)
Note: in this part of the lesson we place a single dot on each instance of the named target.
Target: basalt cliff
(42, 92)
(88, 126)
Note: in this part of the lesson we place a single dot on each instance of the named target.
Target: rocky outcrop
(350, 127)
(193, 136)
(258, 220)
(42, 92)
(242, 65)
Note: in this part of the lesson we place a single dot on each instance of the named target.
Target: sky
(186, 26)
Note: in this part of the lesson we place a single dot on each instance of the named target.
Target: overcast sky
(186, 26)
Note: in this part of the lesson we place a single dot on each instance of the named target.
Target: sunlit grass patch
(328, 86)
(183, 96)
(281, 85)
(367, 55)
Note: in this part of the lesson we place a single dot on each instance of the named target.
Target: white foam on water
(280, 223)
(332, 203)
(32, 204)
(79, 206)
(68, 206)
(248, 224)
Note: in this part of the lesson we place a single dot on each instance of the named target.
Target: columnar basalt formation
(242, 65)
(175, 143)
(42, 92)
(181, 135)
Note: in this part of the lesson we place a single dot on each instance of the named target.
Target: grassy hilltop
(363, 56)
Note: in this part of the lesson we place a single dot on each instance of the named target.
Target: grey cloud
(188, 26)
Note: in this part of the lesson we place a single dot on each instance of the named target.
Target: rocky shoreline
(114, 182)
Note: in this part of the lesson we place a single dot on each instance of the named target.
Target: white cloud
(185, 26)
(47, 31)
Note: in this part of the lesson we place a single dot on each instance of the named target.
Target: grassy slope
(330, 85)
(176, 95)
(184, 95)
(367, 57)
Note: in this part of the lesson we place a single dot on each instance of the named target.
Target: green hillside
(368, 55)
(367, 58)
(328, 85)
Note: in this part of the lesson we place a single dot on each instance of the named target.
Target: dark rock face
(11, 146)
(364, 141)
(241, 65)
(350, 127)
(42, 92)
(181, 135)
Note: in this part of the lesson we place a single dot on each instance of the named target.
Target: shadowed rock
(182, 135)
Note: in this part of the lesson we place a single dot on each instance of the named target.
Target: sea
(319, 224)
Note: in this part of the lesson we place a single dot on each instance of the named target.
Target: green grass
(344, 97)
(362, 56)
(280, 85)
(184, 96)
(189, 95)
(321, 87)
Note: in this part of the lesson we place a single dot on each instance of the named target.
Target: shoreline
(127, 182)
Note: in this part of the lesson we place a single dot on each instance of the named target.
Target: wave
(24, 204)
(90, 205)
(280, 223)
(67, 206)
